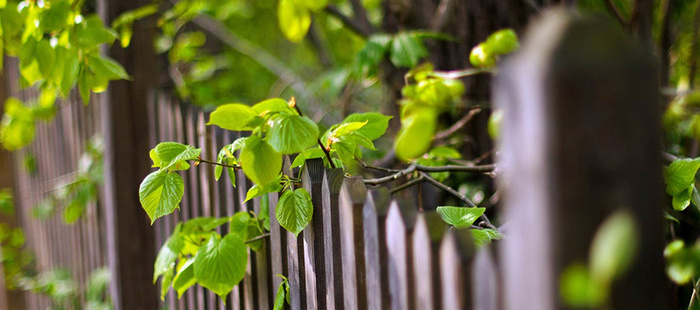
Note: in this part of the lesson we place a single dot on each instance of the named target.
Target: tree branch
(458, 125)
(257, 53)
(361, 15)
(352, 24)
(455, 168)
(613, 9)
(392, 177)
(441, 14)
(407, 185)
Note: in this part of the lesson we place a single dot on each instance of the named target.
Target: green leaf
(281, 295)
(173, 154)
(308, 154)
(168, 254)
(108, 68)
(484, 236)
(578, 289)
(184, 278)
(203, 224)
(680, 174)
(371, 55)
(257, 191)
(220, 264)
(346, 148)
(682, 200)
(91, 33)
(614, 247)
(46, 57)
(56, 17)
(444, 152)
(375, 127)
(289, 134)
(294, 19)
(272, 105)
(260, 162)
(503, 42)
(294, 210)
(416, 134)
(234, 116)
(165, 282)
(160, 193)
(460, 217)
(406, 50)
(315, 5)
(17, 128)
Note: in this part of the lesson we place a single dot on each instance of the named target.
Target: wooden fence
(361, 250)
(581, 140)
(57, 149)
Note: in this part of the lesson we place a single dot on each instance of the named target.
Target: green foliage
(294, 19)
(282, 296)
(682, 262)
(60, 287)
(294, 210)
(460, 217)
(612, 252)
(196, 253)
(74, 197)
(680, 182)
(499, 43)
(220, 264)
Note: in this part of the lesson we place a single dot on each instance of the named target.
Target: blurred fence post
(130, 237)
(581, 140)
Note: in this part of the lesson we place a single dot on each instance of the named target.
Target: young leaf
(260, 162)
(291, 134)
(484, 236)
(680, 174)
(168, 254)
(416, 134)
(371, 55)
(281, 295)
(108, 68)
(160, 193)
(272, 105)
(257, 191)
(172, 154)
(234, 116)
(614, 247)
(294, 210)
(308, 154)
(374, 128)
(184, 278)
(220, 264)
(294, 19)
(460, 217)
(406, 50)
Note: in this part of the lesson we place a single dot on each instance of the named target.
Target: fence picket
(374, 212)
(332, 182)
(456, 257)
(314, 237)
(428, 233)
(352, 198)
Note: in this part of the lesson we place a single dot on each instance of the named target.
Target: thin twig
(352, 24)
(613, 9)
(485, 220)
(257, 53)
(367, 166)
(456, 74)
(455, 168)
(263, 236)
(407, 185)
(200, 160)
(361, 15)
(458, 125)
(392, 177)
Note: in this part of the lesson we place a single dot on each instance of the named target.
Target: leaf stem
(455, 74)
(263, 236)
(200, 160)
(320, 144)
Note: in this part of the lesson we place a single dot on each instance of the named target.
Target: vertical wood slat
(352, 198)
(374, 215)
(332, 182)
(314, 236)
(400, 222)
(429, 231)
(568, 136)
(456, 256)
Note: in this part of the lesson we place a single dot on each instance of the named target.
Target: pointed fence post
(332, 181)
(581, 140)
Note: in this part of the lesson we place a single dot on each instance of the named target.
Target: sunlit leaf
(294, 210)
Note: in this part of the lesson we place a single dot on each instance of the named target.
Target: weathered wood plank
(400, 222)
(456, 257)
(429, 231)
(374, 211)
(568, 133)
(314, 237)
(332, 181)
(352, 198)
